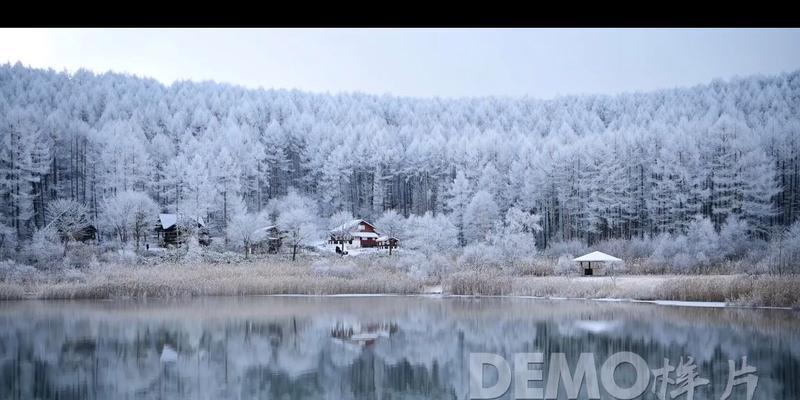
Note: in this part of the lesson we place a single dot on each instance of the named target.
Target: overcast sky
(541, 63)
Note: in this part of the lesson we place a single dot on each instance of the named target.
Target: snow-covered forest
(718, 159)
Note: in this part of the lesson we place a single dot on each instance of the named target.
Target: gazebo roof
(597, 256)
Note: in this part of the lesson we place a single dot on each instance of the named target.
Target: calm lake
(365, 347)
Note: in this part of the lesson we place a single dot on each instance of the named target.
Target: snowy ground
(352, 251)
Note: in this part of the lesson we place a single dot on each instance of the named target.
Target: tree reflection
(310, 348)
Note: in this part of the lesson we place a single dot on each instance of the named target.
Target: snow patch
(597, 326)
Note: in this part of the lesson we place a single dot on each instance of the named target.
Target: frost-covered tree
(23, 163)
(242, 225)
(226, 178)
(296, 215)
(143, 212)
(458, 197)
(301, 227)
(431, 234)
(293, 199)
(124, 158)
(784, 252)
(480, 217)
(492, 181)
(6, 237)
(734, 242)
(391, 224)
(199, 187)
(67, 219)
(517, 238)
(130, 215)
(758, 188)
(702, 242)
(339, 218)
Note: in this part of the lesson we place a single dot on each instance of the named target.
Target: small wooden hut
(168, 229)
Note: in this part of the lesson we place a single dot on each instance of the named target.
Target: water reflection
(360, 348)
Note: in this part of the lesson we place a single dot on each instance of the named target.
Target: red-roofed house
(356, 232)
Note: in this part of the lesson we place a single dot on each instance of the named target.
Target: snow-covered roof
(350, 226)
(364, 234)
(167, 220)
(385, 238)
(264, 233)
(597, 256)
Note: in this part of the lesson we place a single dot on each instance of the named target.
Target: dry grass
(315, 276)
(489, 283)
(256, 278)
(769, 291)
(11, 292)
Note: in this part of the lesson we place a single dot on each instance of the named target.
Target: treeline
(592, 167)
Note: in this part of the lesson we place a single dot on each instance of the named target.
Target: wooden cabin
(357, 232)
(267, 240)
(88, 233)
(168, 229)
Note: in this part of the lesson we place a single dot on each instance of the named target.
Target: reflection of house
(266, 240)
(356, 232)
(364, 335)
(171, 229)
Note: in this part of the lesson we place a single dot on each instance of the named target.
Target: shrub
(73, 275)
(12, 272)
(80, 255)
(539, 266)
(480, 255)
(565, 265)
(487, 283)
(11, 292)
(122, 256)
(45, 249)
(417, 265)
(557, 249)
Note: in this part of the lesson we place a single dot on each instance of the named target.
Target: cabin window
(362, 227)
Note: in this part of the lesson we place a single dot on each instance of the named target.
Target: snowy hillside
(592, 168)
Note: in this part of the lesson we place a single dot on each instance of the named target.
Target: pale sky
(540, 63)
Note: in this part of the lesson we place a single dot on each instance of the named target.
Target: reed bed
(330, 277)
(256, 278)
(743, 290)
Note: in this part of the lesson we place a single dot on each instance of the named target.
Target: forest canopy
(592, 168)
